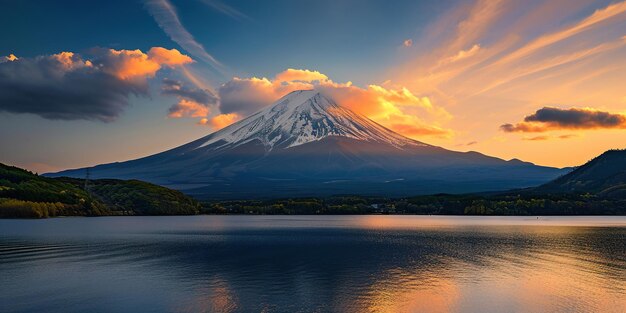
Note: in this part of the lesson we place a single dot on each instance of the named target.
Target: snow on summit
(300, 117)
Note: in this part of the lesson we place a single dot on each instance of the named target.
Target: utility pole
(87, 180)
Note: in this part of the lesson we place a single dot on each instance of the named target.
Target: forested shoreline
(443, 204)
(27, 195)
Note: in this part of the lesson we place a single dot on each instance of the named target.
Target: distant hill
(595, 188)
(605, 176)
(27, 195)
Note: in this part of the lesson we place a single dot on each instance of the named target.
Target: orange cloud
(188, 108)
(220, 121)
(463, 54)
(247, 95)
(380, 103)
(129, 64)
(167, 57)
(70, 61)
(300, 75)
(398, 109)
(192, 102)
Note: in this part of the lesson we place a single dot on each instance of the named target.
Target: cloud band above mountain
(394, 107)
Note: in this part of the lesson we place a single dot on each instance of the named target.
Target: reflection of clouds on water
(405, 291)
(406, 271)
(227, 265)
(214, 295)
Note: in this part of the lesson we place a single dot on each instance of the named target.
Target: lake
(313, 264)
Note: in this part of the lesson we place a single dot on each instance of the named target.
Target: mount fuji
(306, 144)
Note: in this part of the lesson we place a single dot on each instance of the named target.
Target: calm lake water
(313, 264)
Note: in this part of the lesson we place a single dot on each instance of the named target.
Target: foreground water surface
(313, 264)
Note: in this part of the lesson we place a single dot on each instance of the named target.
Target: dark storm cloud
(547, 119)
(176, 88)
(64, 87)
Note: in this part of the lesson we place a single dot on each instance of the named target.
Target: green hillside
(138, 197)
(27, 195)
(24, 194)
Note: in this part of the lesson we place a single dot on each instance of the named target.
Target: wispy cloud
(567, 136)
(545, 137)
(536, 138)
(505, 58)
(167, 18)
(226, 9)
(547, 64)
(479, 19)
(597, 17)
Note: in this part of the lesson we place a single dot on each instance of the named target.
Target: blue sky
(334, 37)
(457, 71)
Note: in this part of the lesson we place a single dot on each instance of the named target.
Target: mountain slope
(306, 144)
(604, 175)
(302, 116)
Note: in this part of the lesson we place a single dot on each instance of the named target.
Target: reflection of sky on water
(290, 264)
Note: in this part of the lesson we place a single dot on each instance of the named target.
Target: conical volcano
(306, 144)
(302, 117)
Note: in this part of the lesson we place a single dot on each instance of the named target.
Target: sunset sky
(90, 82)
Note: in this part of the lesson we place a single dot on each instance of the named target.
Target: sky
(90, 82)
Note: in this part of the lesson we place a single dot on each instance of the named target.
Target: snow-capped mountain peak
(306, 144)
(300, 117)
